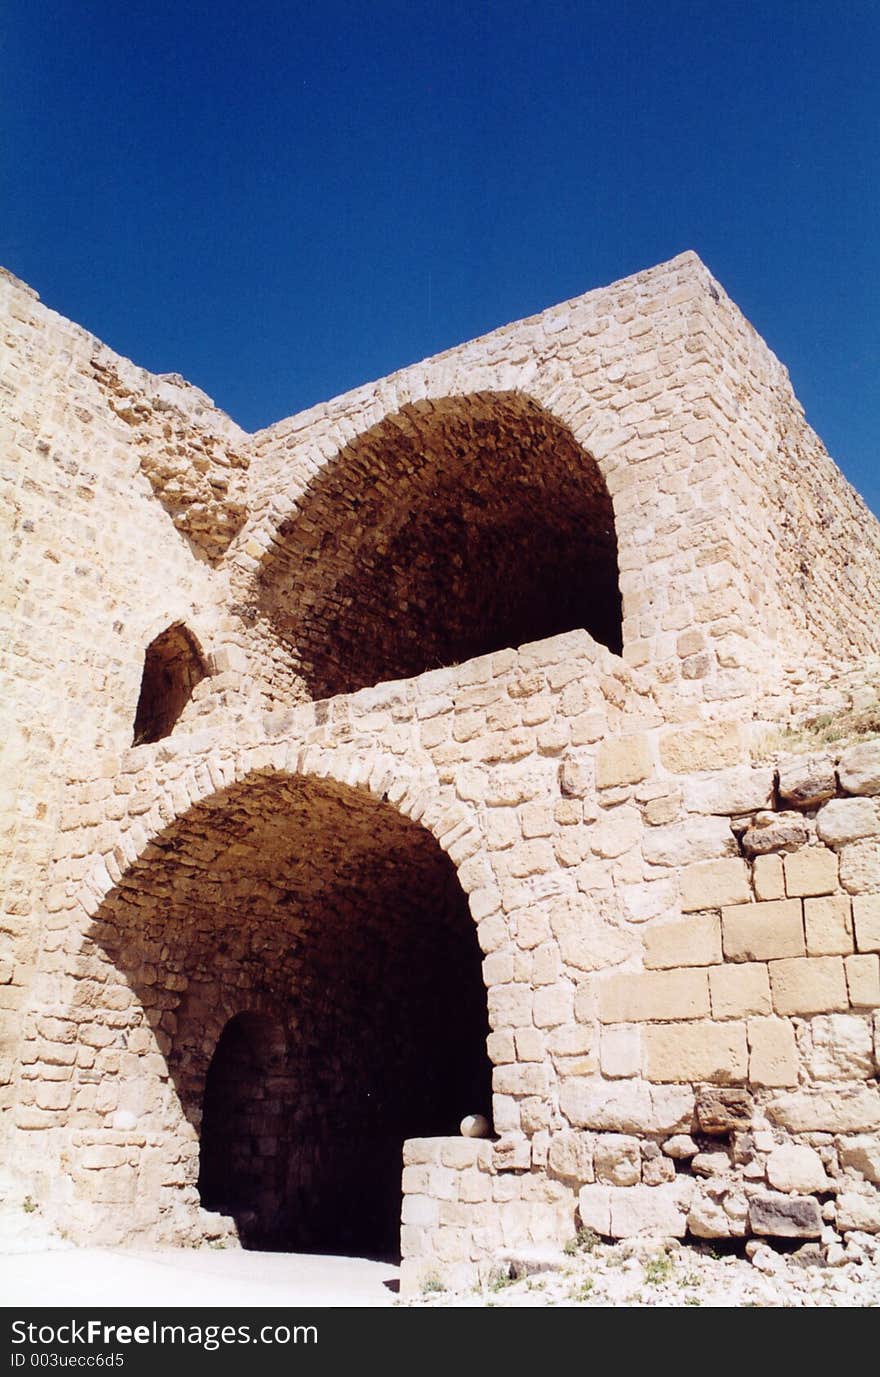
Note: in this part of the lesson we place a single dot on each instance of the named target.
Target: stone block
(862, 1152)
(775, 1215)
(728, 792)
(773, 1058)
(845, 820)
(768, 878)
(723, 1110)
(739, 988)
(855, 1110)
(694, 941)
(684, 843)
(707, 1218)
(623, 760)
(594, 1209)
(860, 867)
(627, 1106)
(691, 1052)
(693, 749)
(774, 832)
(713, 884)
(621, 1053)
(808, 985)
(842, 1048)
(654, 996)
(858, 1212)
(796, 1170)
(571, 1156)
(863, 980)
(805, 781)
(866, 918)
(650, 1211)
(617, 1159)
(762, 931)
(811, 870)
(859, 768)
(828, 925)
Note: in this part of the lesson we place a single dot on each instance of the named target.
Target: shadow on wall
(309, 967)
(453, 528)
(173, 665)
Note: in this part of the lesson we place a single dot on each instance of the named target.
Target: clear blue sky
(281, 200)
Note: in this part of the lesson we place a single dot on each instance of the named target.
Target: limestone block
(520, 1078)
(773, 1058)
(691, 1052)
(707, 1218)
(694, 941)
(863, 980)
(680, 1147)
(621, 1051)
(511, 1153)
(844, 820)
(657, 1169)
(860, 867)
(775, 832)
(785, 1216)
(855, 1110)
(828, 925)
(682, 843)
(420, 1210)
(654, 995)
(723, 1110)
(808, 985)
(576, 777)
(623, 760)
(627, 1106)
(587, 940)
(571, 1156)
(859, 1212)
(805, 781)
(615, 831)
(650, 1211)
(812, 870)
(739, 988)
(768, 878)
(796, 1170)
(743, 790)
(761, 931)
(694, 749)
(594, 1209)
(617, 1159)
(843, 1048)
(714, 884)
(866, 916)
(863, 1153)
(859, 768)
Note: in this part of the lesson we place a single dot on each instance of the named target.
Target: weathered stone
(785, 1216)
(828, 925)
(571, 1156)
(827, 1111)
(654, 995)
(844, 820)
(808, 985)
(842, 1048)
(811, 870)
(707, 1218)
(861, 1152)
(760, 932)
(796, 1169)
(617, 1159)
(683, 843)
(773, 1058)
(699, 1051)
(768, 878)
(860, 1212)
(723, 1111)
(775, 832)
(805, 781)
(713, 884)
(623, 760)
(860, 867)
(702, 748)
(694, 941)
(729, 792)
(859, 768)
(627, 1106)
(621, 1051)
(866, 917)
(739, 988)
(863, 980)
(680, 1147)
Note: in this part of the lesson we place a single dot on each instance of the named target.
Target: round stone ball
(474, 1126)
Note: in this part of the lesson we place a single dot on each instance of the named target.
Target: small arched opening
(454, 528)
(173, 665)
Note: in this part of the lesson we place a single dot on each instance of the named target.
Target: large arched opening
(453, 528)
(303, 958)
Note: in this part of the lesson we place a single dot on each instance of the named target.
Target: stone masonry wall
(677, 923)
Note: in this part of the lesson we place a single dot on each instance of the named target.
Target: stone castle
(462, 746)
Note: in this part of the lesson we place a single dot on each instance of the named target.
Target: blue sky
(283, 200)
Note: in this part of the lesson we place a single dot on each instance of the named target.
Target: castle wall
(677, 944)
